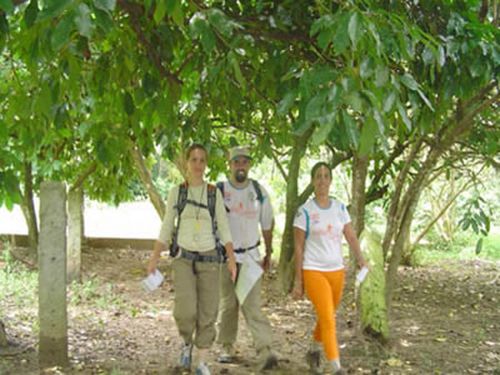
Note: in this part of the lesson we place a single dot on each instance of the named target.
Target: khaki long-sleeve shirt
(195, 231)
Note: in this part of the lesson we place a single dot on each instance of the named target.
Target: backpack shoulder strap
(220, 186)
(308, 224)
(211, 198)
(179, 206)
(258, 190)
(181, 198)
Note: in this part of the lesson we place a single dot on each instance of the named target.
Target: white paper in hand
(361, 276)
(249, 273)
(153, 281)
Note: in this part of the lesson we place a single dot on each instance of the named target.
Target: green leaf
(106, 5)
(441, 55)
(128, 104)
(160, 11)
(408, 80)
(321, 133)
(200, 28)
(425, 99)
(43, 101)
(83, 21)
(150, 84)
(4, 25)
(341, 38)
(219, 20)
(389, 101)
(351, 129)
(286, 103)
(404, 116)
(178, 14)
(61, 34)
(53, 9)
(479, 246)
(368, 136)
(366, 67)
(355, 101)
(315, 105)
(354, 29)
(236, 69)
(6, 5)
(102, 152)
(31, 13)
(381, 75)
(103, 20)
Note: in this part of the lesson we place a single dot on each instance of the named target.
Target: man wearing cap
(248, 205)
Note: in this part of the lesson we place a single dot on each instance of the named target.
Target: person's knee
(185, 315)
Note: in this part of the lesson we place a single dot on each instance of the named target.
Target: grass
(19, 286)
(463, 247)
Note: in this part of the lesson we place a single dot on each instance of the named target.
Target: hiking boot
(227, 354)
(185, 360)
(202, 369)
(267, 360)
(313, 359)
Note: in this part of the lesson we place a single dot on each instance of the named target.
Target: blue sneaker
(185, 360)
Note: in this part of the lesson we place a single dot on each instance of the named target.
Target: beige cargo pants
(227, 322)
(196, 299)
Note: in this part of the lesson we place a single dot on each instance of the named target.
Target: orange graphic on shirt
(239, 209)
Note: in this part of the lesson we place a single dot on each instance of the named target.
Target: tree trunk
(286, 264)
(359, 173)
(3, 336)
(28, 208)
(394, 208)
(406, 213)
(147, 181)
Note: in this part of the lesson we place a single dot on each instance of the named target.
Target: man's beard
(240, 176)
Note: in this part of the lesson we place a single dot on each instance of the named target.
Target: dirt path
(446, 320)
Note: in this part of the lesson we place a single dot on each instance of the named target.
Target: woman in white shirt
(319, 268)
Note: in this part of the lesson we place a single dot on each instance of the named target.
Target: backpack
(182, 200)
(256, 186)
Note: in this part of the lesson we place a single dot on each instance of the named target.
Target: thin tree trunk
(3, 336)
(439, 215)
(359, 173)
(392, 216)
(28, 208)
(286, 263)
(147, 181)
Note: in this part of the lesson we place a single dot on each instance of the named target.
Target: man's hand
(231, 266)
(266, 262)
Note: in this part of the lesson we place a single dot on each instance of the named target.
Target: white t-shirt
(245, 214)
(324, 230)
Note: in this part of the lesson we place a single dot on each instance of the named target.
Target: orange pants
(324, 289)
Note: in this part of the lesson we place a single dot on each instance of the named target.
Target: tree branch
(81, 179)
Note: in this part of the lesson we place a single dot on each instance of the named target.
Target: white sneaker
(202, 369)
(227, 354)
(185, 360)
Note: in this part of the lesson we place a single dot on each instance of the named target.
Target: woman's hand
(152, 264)
(298, 290)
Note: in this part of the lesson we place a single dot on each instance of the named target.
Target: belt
(197, 257)
(241, 250)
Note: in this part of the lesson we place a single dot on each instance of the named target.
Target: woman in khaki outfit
(196, 267)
